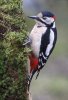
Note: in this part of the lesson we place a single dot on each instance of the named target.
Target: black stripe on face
(41, 21)
(44, 22)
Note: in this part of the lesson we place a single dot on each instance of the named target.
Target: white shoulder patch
(50, 45)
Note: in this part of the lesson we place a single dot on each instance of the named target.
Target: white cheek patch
(40, 15)
(49, 20)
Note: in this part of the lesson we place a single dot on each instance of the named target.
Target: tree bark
(13, 58)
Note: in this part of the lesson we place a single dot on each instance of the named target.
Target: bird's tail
(30, 78)
(37, 74)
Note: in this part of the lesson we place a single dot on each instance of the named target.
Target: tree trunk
(13, 57)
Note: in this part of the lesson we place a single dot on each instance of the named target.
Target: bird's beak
(33, 17)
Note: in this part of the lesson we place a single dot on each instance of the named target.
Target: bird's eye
(44, 18)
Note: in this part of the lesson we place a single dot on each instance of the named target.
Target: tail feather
(30, 78)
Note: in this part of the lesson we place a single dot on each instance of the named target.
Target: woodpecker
(42, 40)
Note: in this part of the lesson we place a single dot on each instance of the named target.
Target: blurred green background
(52, 83)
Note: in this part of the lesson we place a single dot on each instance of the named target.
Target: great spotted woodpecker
(42, 40)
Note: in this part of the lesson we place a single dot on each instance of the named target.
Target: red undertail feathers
(33, 62)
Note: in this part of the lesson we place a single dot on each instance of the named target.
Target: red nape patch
(33, 62)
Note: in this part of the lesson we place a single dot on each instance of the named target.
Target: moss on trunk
(13, 58)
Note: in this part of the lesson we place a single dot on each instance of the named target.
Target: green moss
(13, 58)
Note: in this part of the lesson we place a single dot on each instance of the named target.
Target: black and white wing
(48, 42)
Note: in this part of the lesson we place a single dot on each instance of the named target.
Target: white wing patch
(50, 45)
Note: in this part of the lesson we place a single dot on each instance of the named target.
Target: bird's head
(44, 18)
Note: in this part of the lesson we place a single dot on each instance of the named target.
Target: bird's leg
(27, 41)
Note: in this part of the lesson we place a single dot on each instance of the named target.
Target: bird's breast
(36, 35)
